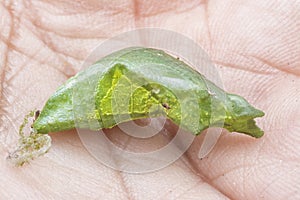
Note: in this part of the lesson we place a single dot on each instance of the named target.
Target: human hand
(254, 44)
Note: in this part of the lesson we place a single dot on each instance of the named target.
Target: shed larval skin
(255, 46)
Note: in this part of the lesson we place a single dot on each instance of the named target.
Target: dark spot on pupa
(165, 105)
(36, 114)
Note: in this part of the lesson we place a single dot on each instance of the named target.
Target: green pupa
(147, 83)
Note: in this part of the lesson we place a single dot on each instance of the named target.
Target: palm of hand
(255, 45)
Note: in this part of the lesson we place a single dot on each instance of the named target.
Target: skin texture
(255, 45)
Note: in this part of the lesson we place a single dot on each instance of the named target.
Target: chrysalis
(146, 83)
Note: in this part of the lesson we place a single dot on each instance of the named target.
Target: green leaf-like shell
(158, 84)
